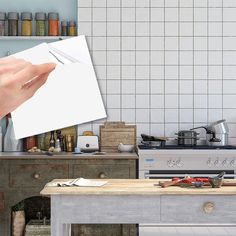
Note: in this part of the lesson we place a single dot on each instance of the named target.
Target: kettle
(216, 133)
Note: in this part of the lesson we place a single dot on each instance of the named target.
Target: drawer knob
(208, 207)
(37, 176)
(102, 175)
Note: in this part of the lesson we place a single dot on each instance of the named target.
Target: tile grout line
(193, 67)
(222, 12)
(164, 56)
(150, 61)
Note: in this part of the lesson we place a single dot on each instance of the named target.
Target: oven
(166, 164)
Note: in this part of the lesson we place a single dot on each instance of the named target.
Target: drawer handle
(208, 207)
(37, 176)
(102, 175)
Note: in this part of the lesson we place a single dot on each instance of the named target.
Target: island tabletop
(136, 187)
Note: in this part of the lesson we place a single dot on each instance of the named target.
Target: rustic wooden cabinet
(23, 176)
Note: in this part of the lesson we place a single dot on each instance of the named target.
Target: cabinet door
(1, 201)
(96, 171)
(3, 175)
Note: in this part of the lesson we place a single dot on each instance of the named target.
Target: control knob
(179, 163)
(232, 163)
(209, 162)
(225, 162)
(170, 163)
(217, 163)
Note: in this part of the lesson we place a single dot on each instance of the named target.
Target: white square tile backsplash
(163, 64)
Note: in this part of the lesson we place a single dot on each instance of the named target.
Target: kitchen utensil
(216, 133)
(88, 143)
(217, 181)
(152, 141)
(187, 138)
(125, 147)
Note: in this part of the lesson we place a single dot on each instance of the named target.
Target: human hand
(19, 80)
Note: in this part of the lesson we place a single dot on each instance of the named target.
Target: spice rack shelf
(34, 37)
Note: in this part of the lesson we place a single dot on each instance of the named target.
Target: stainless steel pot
(216, 133)
(187, 138)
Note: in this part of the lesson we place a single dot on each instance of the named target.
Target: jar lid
(53, 16)
(64, 23)
(40, 16)
(26, 16)
(13, 15)
(72, 23)
(2, 15)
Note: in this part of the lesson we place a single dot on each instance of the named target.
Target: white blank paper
(70, 96)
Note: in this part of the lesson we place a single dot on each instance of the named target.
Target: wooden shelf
(34, 37)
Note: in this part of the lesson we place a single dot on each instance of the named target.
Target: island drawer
(36, 175)
(102, 171)
(198, 209)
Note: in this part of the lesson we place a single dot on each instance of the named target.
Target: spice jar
(41, 141)
(2, 23)
(64, 28)
(26, 24)
(30, 142)
(40, 18)
(13, 18)
(72, 28)
(53, 18)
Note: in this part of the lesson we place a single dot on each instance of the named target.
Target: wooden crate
(114, 133)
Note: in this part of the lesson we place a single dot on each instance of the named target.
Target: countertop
(136, 187)
(64, 156)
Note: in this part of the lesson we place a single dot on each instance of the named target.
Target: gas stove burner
(198, 147)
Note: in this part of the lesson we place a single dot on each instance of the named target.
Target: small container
(72, 28)
(2, 23)
(64, 27)
(13, 18)
(40, 18)
(26, 24)
(30, 142)
(41, 141)
(53, 20)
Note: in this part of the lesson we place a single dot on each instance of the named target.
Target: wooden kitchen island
(139, 201)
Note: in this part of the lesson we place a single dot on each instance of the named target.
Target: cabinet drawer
(1, 201)
(198, 209)
(96, 171)
(33, 175)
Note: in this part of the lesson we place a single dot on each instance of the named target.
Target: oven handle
(147, 175)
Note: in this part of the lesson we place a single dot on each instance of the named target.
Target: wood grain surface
(136, 187)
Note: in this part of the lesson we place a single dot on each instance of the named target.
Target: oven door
(174, 230)
(169, 174)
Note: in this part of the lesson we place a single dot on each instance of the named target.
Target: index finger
(32, 71)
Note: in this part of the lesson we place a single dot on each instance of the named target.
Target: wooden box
(114, 133)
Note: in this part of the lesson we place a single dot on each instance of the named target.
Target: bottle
(52, 140)
(2, 23)
(40, 18)
(13, 18)
(72, 28)
(0, 139)
(57, 146)
(53, 20)
(64, 28)
(26, 24)
(61, 139)
(11, 144)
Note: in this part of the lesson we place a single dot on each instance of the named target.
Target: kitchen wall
(163, 64)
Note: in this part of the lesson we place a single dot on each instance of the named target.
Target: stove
(167, 161)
